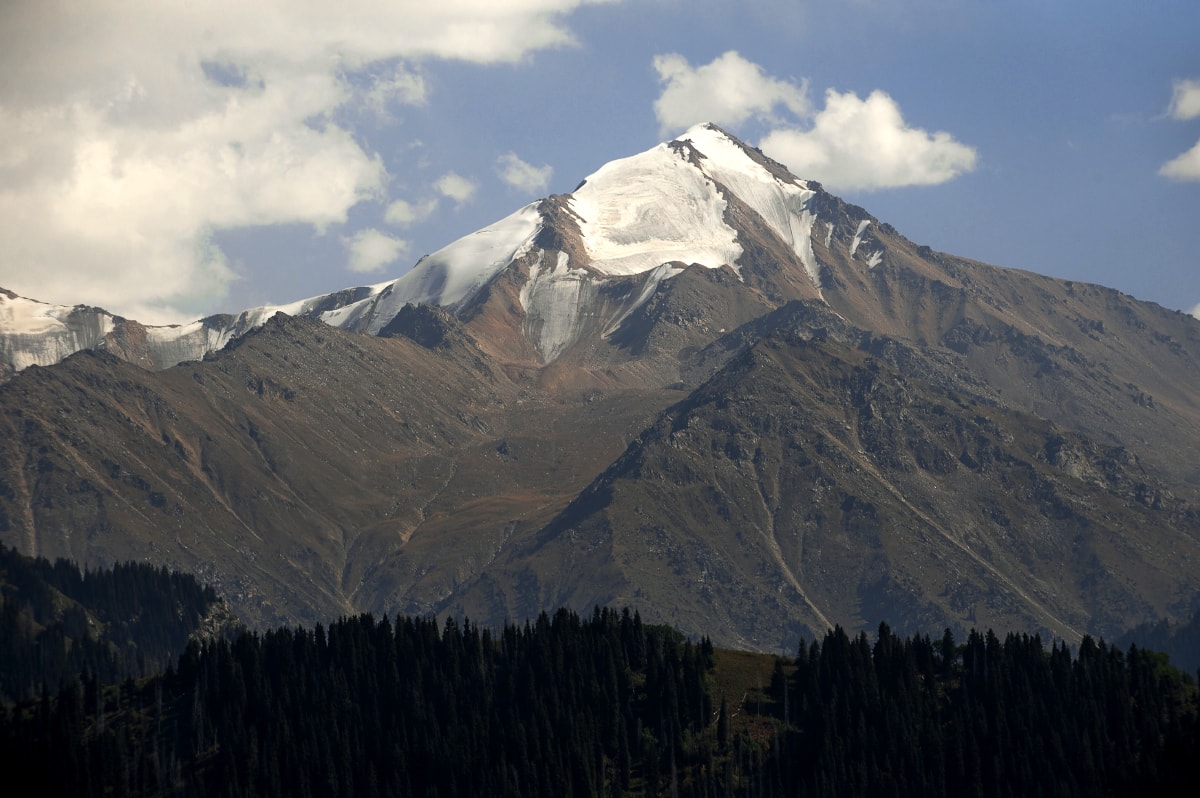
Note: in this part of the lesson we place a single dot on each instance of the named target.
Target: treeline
(607, 706)
(997, 718)
(367, 707)
(1180, 641)
(56, 620)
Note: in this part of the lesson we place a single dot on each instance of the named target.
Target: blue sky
(166, 161)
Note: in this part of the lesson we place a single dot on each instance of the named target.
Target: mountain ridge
(455, 275)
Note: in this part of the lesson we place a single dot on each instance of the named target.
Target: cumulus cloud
(370, 250)
(1185, 100)
(456, 187)
(1195, 311)
(403, 213)
(130, 133)
(727, 91)
(1185, 104)
(849, 144)
(1184, 167)
(398, 86)
(521, 175)
(856, 144)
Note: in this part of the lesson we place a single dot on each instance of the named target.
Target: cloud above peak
(403, 213)
(727, 91)
(857, 144)
(370, 250)
(456, 187)
(849, 144)
(523, 176)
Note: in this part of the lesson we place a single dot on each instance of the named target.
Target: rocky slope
(814, 482)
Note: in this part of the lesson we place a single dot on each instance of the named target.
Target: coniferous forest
(57, 621)
(367, 707)
(1180, 641)
(604, 705)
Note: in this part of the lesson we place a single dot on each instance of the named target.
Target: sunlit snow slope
(669, 204)
(35, 333)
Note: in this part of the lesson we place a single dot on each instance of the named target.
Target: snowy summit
(638, 219)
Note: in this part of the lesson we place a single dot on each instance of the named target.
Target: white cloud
(1185, 104)
(125, 218)
(402, 213)
(1185, 100)
(130, 132)
(401, 86)
(456, 187)
(727, 91)
(370, 250)
(451, 185)
(1185, 167)
(849, 144)
(1195, 311)
(521, 175)
(855, 144)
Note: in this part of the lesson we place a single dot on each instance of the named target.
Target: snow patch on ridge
(802, 243)
(563, 305)
(873, 258)
(449, 277)
(208, 338)
(39, 334)
(29, 317)
(782, 204)
(858, 235)
(656, 276)
(556, 303)
(456, 272)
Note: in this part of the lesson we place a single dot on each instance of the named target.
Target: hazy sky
(168, 160)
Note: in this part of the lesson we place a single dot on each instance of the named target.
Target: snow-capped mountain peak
(636, 216)
(589, 259)
(670, 204)
(582, 262)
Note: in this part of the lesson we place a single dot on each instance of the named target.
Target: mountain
(584, 262)
(697, 385)
(34, 333)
